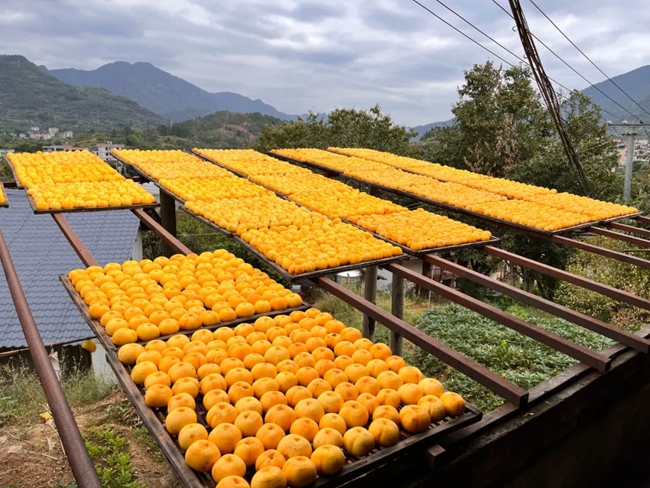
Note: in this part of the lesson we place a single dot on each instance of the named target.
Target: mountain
(423, 129)
(162, 92)
(31, 97)
(634, 83)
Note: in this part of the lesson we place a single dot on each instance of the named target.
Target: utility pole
(629, 157)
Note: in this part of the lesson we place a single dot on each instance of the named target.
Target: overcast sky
(300, 55)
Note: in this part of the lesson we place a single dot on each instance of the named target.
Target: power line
(547, 92)
(463, 34)
(569, 66)
(588, 58)
(493, 40)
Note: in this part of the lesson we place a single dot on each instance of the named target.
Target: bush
(518, 358)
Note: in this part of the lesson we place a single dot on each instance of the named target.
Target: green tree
(342, 127)
(503, 129)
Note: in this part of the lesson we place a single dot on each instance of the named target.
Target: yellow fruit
(434, 406)
(330, 401)
(249, 422)
(158, 395)
(328, 436)
(157, 378)
(369, 401)
(140, 372)
(270, 435)
(354, 414)
(328, 459)
(233, 482)
(333, 421)
(347, 390)
(186, 385)
(309, 408)
(181, 400)
(453, 402)
(294, 445)
(272, 398)
(249, 449)
(305, 427)
(431, 386)
(213, 381)
(179, 418)
(270, 457)
(240, 390)
(318, 386)
(296, 394)
(191, 433)
(225, 436)
(368, 384)
(299, 471)
(358, 441)
(221, 413)
(414, 418)
(124, 336)
(181, 370)
(228, 465)
(269, 477)
(281, 415)
(386, 412)
(128, 353)
(249, 403)
(410, 393)
(410, 374)
(385, 432)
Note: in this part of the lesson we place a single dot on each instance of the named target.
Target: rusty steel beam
(645, 220)
(167, 237)
(608, 291)
(637, 241)
(168, 219)
(73, 444)
(582, 354)
(635, 342)
(608, 253)
(502, 387)
(86, 258)
(629, 228)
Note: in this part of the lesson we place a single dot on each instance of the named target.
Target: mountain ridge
(29, 96)
(163, 93)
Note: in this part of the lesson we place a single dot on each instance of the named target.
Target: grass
(123, 413)
(112, 460)
(22, 398)
(514, 356)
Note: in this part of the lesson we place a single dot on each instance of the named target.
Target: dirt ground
(32, 455)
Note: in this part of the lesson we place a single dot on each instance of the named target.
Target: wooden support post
(168, 219)
(397, 308)
(370, 294)
(426, 271)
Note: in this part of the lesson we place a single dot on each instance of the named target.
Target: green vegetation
(31, 97)
(342, 127)
(112, 460)
(22, 398)
(517, 358)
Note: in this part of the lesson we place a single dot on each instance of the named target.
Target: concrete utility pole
(629, 157)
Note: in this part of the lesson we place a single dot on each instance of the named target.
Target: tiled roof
(41, 253)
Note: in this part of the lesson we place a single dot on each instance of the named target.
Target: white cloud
(298, 55)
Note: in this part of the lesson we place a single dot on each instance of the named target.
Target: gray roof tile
(41, 253)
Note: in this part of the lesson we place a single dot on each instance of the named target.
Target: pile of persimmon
(530, 214)
(210, 189)
(345, 202)
(393, 160)
(330, 160)
(321, 245)
(140, 301)
(137, 157)
(594, 209)
(286, 397)
(242, 214)
(419, 229)
(60, 167)
(288, 184)
(248, 161)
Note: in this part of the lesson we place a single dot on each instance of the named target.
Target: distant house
(104, 151)
(40, 254)
(63, 147)
(67, 134)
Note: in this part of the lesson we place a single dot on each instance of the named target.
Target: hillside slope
(162, 92)
(635, 83)
(31, 97)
